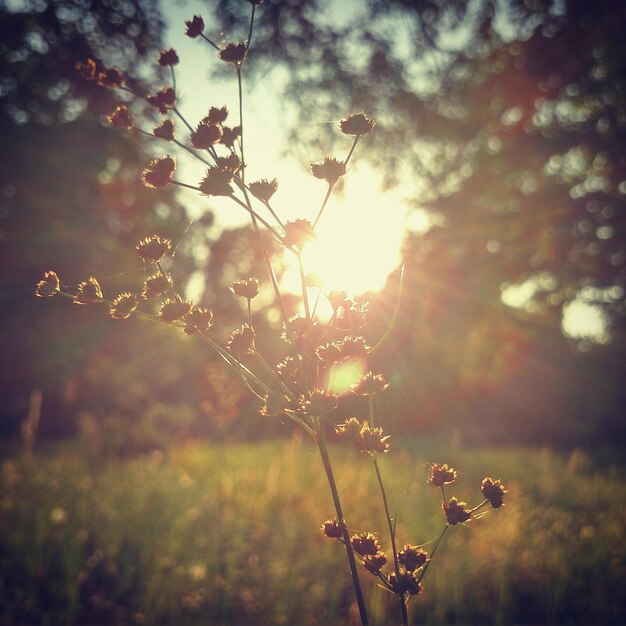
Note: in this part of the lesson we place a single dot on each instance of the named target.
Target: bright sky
(359, 235)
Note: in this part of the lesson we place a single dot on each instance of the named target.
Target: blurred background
(139, 484)
(498, 161)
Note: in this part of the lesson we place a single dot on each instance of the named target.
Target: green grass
(218, 535)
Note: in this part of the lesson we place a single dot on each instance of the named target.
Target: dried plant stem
(392, 536)
(323, 449)
(432, 553)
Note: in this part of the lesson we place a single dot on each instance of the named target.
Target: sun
(358, 238)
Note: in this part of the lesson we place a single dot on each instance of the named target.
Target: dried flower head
(123, 306)
(263, 189)
(168, 58)
(233, 53)
(48, 286)
(412, 557)
(456, 512)
(153, 248)
(198, 319)
(154, 286)
(297, 233)
(230, 163)
(374, 440)
(216, 116)
(165, 130)
(246, 288)
(110, 78)
(163, 100)
(338, 299)
(120, 118)
(370, 384)
(173, 310)
(88, 291)
(319, 402)
(274, 405)
(329, 170)
(440, 475)
(365, 543)
(404, 582)
(216, 182)
(241, 341)
(356, 124)
(494, 491)
(290, 369)
(353, 348)
(87, 69)
(195, 27)
(329, 353)
(205, 136)
(350, 430)
(230, 135)
(332, 529)
(159, 172)
(374, 562)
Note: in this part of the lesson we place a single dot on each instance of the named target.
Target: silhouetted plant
(323, 360)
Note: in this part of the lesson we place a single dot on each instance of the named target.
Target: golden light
(358, 237)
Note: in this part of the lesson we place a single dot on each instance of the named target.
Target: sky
(360, 233)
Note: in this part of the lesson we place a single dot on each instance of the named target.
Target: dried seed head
(494, 491)
(123, 306)
(297, 233)
(159, 172)
(373, 440)
(356, 124)
(247, 288)
(215, 183)
(205, 136)
(48, 286)
(233, 53)
(88, 291)
(274, 406)
(370, 384)
(168, 58)
(154, 286)
(163, 100)
(332, 529)
(153, 248)
(110, 78)
(329, 353)
(230, 135)
(353, 348)
(365, 543)
(456, 512)
(263, 189)
(173, 310)
(412, 557)
(241, 341)
(216, 116)
(329, 170)
(165, 130)
(374, 562)
(404, 582)
(289, 369)
(198, 319)
(350, 430)
(338, 299)
(87, 69)
(230, 163)
(319, 402)
(120, 118)
(195, 27)
(439, 475)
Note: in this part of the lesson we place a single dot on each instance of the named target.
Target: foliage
(504, 124)
(227, 534)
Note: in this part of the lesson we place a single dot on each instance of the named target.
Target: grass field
(217, 535)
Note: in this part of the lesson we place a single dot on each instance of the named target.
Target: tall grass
(229, 535)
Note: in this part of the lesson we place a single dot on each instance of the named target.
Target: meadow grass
(230, 534)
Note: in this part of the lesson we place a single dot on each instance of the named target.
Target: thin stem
(251, 26)
(394, 317)
(209, 41)
(432, 553)
(323, 449)
(356, 140)
(325, 201)
(183, 120)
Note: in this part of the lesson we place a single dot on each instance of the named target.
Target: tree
(506, 122)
